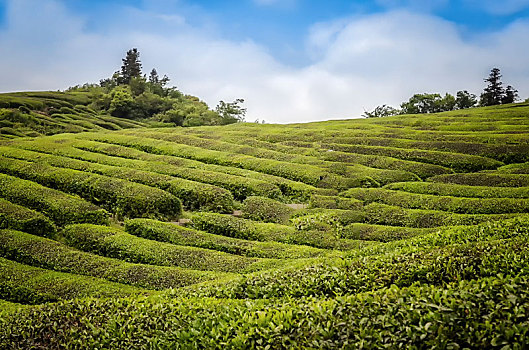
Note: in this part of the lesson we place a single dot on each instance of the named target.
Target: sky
(290, 60)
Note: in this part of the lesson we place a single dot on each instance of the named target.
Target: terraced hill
(401, 232)
(47, 113)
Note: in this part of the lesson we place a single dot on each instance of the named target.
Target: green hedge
(484, 179)
(455, 190)
(59, 206)
(117, 195)
(175, 234)
(443, 203)
(45, 253)
(436, 266)
(382, 214)
(334, 202)
(332, 154)
(485, 313)
(16, 217)
(25, 284)
(266, 210)
(380, 233)
(240, 187)
(194, 195)
(115, 243)
(520, 168)
(109, 143)
(306, 173)
(230, 226)
(457, 161)
(508, 153)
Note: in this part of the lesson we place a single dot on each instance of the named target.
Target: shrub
(457, 161)
(119, 196)
(194, 195)
(32, 285)
(60, 207)
(455, 190)
(380, 233)
(19, 218)
(334, 202)
(45, 253)
(266, 209)
(114, 243)
(175, 234)
(230, 226)
(484, 179)
(443, 203)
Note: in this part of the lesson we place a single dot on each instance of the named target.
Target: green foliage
(175, 234)
(428, 103)
(266, 210)
(118, 244)
(45, 253)
(455, 190)
(485, 179)
(119, 196)
(436, 202)
(25, 284)
(334, 202)
(231, 112)
(20, 218)
(60, 207)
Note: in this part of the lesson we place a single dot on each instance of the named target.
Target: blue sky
(292, 60)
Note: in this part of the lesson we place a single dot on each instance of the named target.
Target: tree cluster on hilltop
(493, 94)
(129, 93)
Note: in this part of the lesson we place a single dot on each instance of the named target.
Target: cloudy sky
(291, 60)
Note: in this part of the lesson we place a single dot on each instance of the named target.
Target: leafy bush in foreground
(20, 218)
(60, 207)
(45, 253)
(479, 314)
(32, 285)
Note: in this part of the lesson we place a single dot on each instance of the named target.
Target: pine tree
(510, 96)
(494, 92)
(131, 67)
(153, 77)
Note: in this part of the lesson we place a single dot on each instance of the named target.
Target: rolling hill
(399, 232)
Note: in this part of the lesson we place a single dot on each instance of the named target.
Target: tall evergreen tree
(493, 92)
(131, 67)
(154, 78)
(510, 96)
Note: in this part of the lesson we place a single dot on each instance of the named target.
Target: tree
(153, 77)
(510, 95)
(131, 67)
(121, 103)
(231, 112)
(493, 92)
(464, 99)
(381, 111)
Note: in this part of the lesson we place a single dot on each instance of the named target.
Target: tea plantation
(408, 232)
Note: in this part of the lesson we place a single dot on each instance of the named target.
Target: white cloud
(358, 62)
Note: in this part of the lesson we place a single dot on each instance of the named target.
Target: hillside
(47, 112)
(399, 232)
